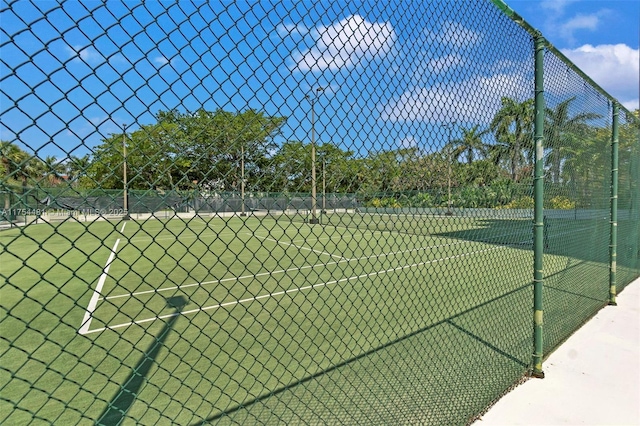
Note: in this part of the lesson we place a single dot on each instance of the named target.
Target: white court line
(88, 315)
(174, 237)
(280, 271)
(293, 290)
(299, 247)
(123, 225)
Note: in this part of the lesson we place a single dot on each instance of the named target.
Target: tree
(51, 170)
(76, 168)
(470, 144)
(11, 160)
(512, 126)
(17, 164)
(181, 150)
(341, 168)
(214, 144)
(291, 168)
(560, 130)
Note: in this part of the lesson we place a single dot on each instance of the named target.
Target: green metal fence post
(538, 195)
(613, 240)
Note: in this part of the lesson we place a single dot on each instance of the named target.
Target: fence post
(538, 195)
(613, 237)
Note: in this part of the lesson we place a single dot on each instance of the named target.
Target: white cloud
(614, 67)
(444, 63)
(345, 44)
(88, 55)
(160, 60)
(557, 6)
(475, 100)
(580, 22)
(286, 30)
(632, 105)
(453, 34)
(409, 142)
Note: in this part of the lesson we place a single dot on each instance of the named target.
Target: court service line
(299, 247)
(279, 271)
(88, 315)
(123, 225)
(283, 292)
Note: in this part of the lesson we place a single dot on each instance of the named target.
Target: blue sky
(601, 37)
(72, 74)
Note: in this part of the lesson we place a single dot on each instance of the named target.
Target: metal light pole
(324, 186)
(314, 201)
(449, 127)
(125, 186)
(242, 212)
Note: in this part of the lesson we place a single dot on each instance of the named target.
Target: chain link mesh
(248, 213)
(628, 200)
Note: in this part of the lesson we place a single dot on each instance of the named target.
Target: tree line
(215, 151)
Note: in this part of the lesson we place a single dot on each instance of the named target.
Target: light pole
(125, 186)
(242, 212)
(314, 201)
(324, 185)
(449, 147)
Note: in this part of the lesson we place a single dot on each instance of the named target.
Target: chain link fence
(298, 213)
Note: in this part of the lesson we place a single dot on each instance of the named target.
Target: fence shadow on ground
(117, 409)
(472, 328)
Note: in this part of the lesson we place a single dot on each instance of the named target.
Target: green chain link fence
(296, 212)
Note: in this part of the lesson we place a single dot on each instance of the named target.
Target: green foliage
(512, 126)
(561, 202)
(388, 202)
(520, 203)
(185, 149)
(212, 150)
(423, 199)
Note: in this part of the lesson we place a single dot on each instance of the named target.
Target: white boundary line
(279, 271)
(291, 244)
(88, 315)
(293, 290)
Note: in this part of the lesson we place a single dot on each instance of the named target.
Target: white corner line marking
(88, 315)
(289, 291)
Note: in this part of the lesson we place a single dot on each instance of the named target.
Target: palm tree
(11, 158)
(512, 126)
(76, 167)
(16, 164)
(470, 143)
(559, 129)
(52, 170)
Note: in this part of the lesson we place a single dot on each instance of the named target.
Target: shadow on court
(478, 330)
(117, 409)
(575, 238)
(487, 345)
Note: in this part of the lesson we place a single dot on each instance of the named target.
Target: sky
(376, 77)
(600, 37)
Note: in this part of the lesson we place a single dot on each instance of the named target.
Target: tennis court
(257, 305)
(220, 264)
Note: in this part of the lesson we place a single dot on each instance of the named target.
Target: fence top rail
(536, 33)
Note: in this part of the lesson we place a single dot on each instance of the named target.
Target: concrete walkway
(591, 379)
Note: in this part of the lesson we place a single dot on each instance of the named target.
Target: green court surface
(226, 319)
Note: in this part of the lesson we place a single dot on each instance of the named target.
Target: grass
(264, 319)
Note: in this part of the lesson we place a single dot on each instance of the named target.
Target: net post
(613, 233)
(538, 195)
